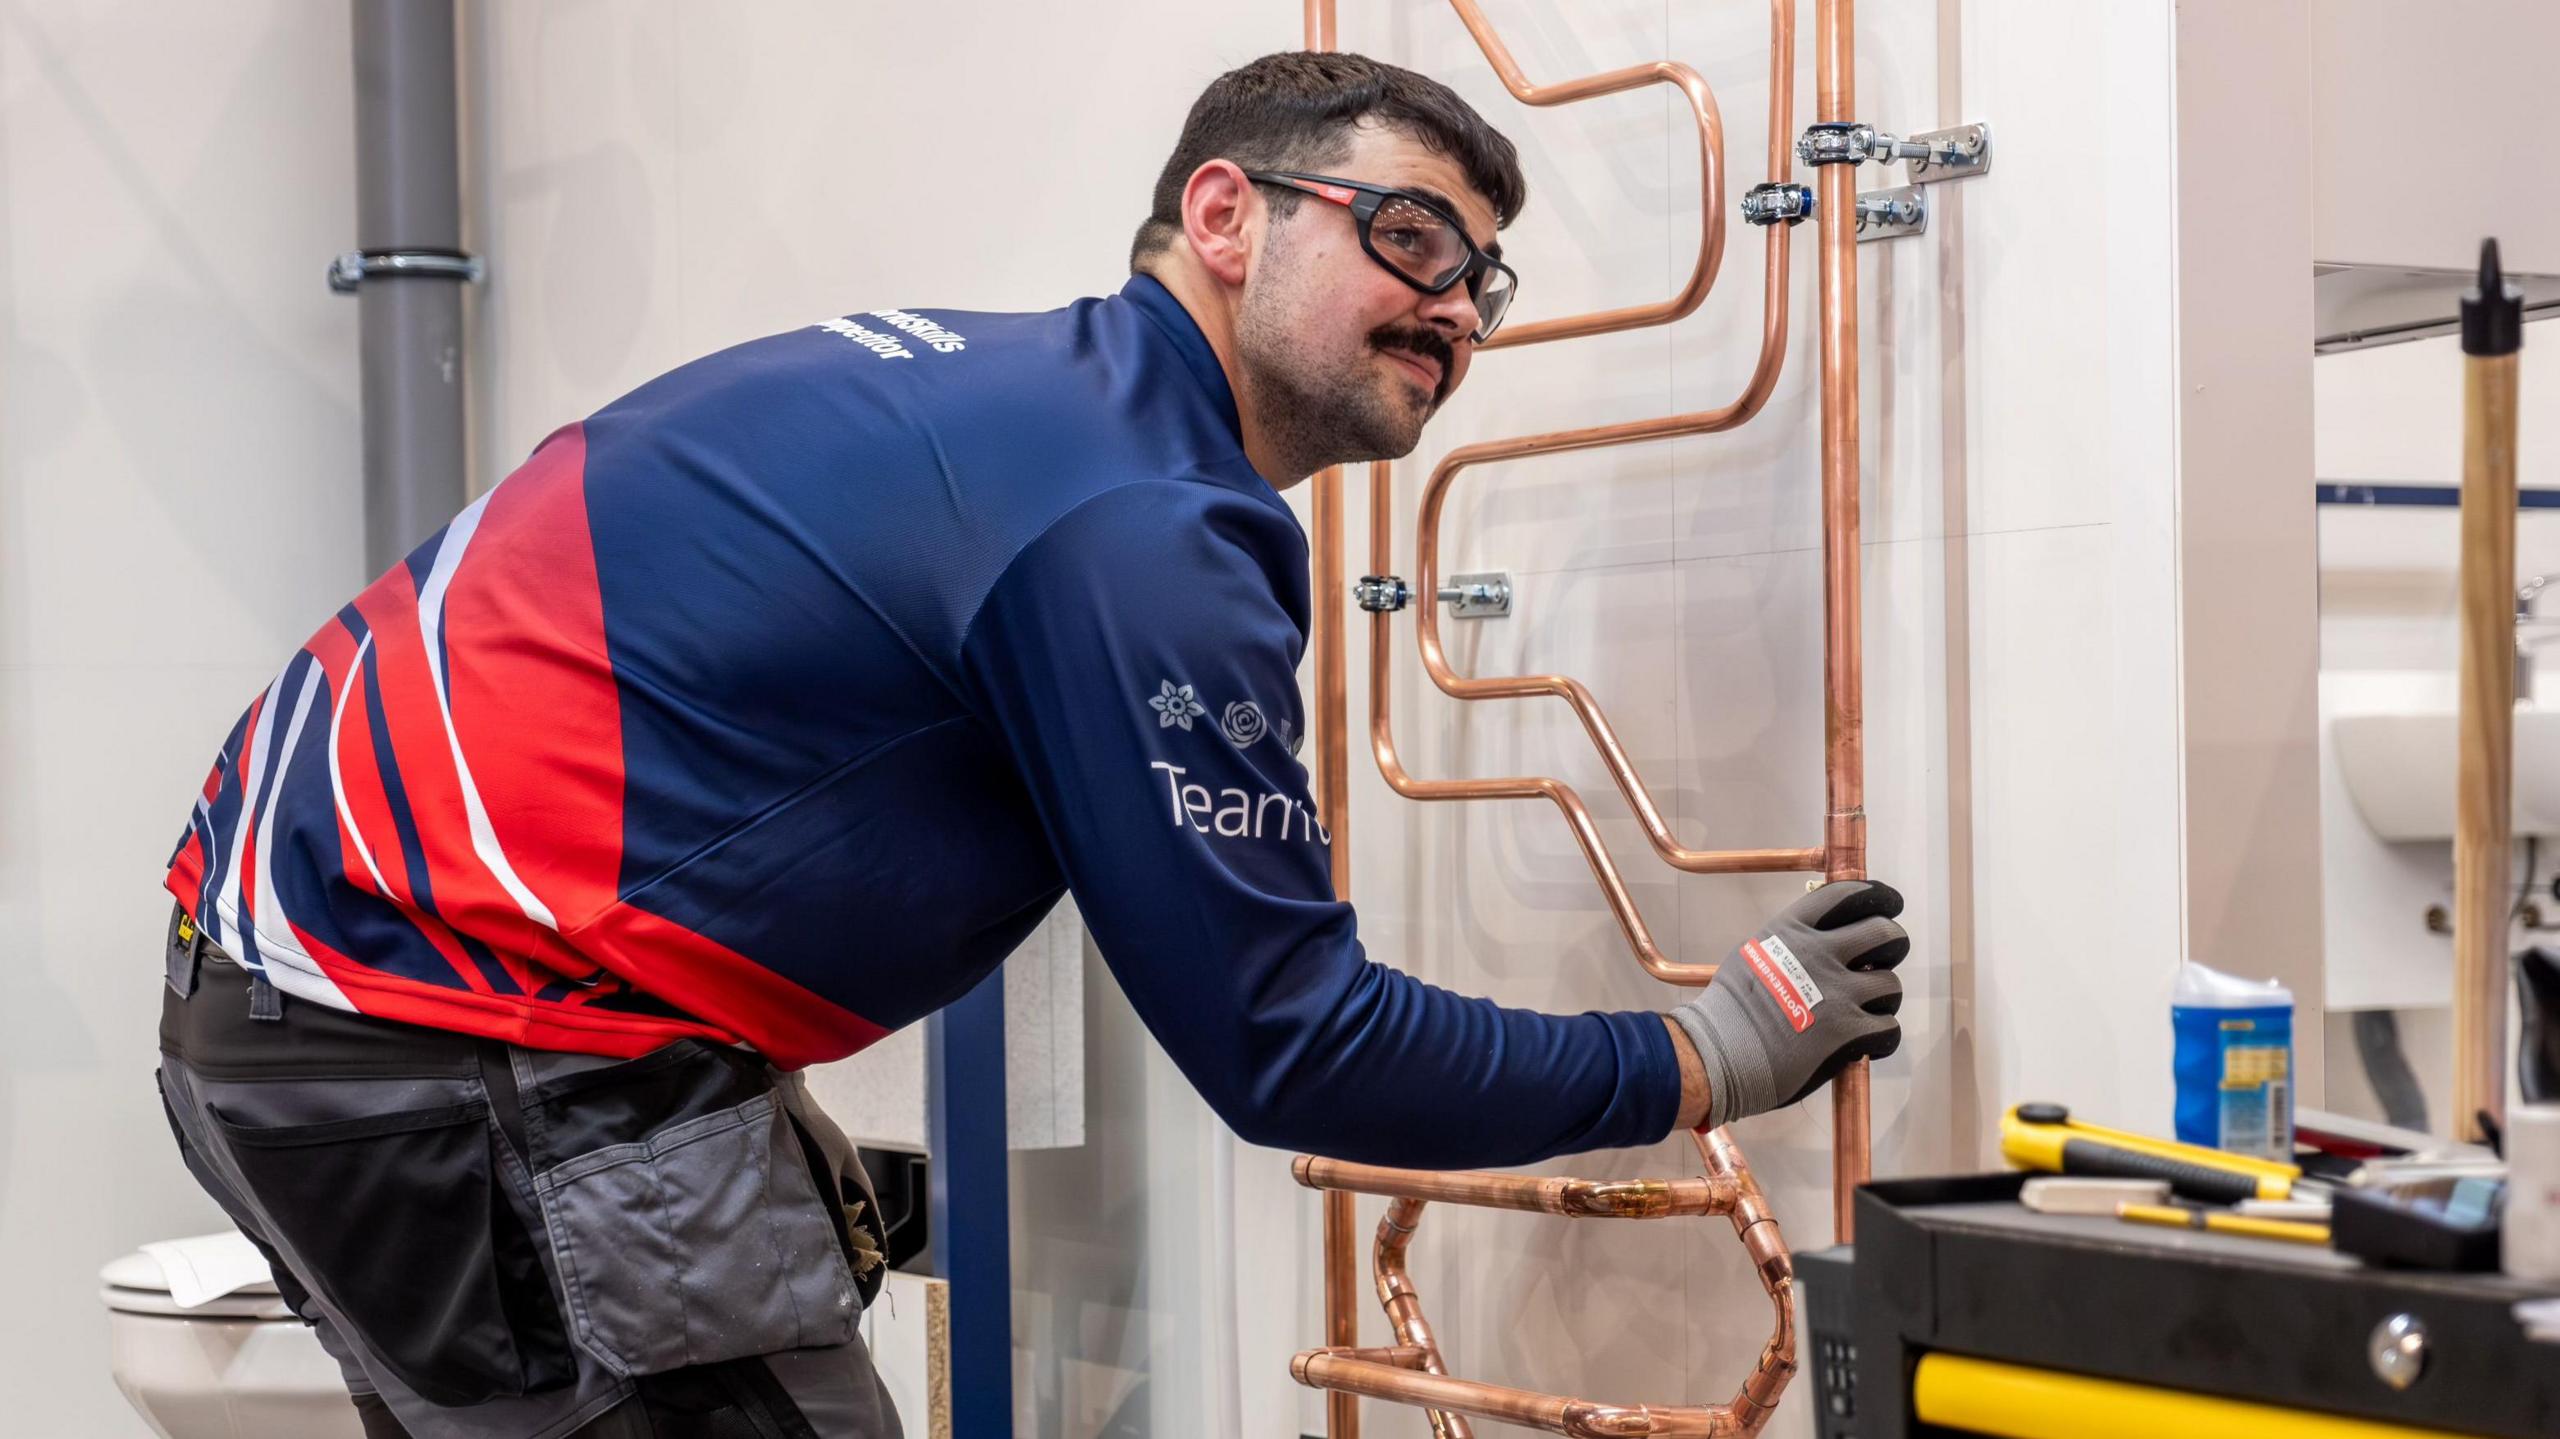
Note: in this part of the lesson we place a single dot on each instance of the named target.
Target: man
(766, 710)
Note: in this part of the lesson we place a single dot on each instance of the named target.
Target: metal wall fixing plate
(1892, 214)
(1478, 597)
(1953, 153)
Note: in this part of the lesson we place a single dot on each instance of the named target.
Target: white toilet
(236, 1366)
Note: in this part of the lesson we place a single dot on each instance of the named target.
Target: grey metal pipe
(408, 201)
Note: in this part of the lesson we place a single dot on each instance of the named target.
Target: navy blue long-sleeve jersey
(779, 700)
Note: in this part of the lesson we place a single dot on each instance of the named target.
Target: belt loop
(186, 952)
(266, 1002)
(506, 1101)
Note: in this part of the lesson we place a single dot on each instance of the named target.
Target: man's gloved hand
(1796, 1004)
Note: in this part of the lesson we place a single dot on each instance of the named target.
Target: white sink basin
(2400, 769)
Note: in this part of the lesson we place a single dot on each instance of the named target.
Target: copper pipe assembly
(1411, 1371)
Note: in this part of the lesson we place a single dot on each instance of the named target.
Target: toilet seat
(136, 1285)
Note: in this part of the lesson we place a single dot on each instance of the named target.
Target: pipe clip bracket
(1892, 214)
(349, 271)
(1477, 597)
(1950, 154)
(1381, 594)
(1777, 202)
(1469, 597)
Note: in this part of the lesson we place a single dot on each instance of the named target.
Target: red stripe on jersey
(385, 996)
(466, 894)
(553, 788)
(789, 1025)
(186, 873)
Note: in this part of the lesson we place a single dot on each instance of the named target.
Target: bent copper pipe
(1755, 394)
(1728, 1188)
(1404, 1307)
(1710, 122)
(1586, 832)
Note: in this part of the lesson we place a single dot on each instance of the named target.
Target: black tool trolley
(1959, 1311)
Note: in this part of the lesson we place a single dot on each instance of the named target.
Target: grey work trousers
(503, 1243)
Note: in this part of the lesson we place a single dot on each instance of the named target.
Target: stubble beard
(1316, 412)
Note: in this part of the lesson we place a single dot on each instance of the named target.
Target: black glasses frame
(1364, 201)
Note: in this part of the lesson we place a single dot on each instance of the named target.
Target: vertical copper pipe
(1333, 801)
(1333, 796)
(1844, 720)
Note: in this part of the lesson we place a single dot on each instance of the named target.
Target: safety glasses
(1414, 240)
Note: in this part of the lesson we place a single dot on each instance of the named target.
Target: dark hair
(1295, 110)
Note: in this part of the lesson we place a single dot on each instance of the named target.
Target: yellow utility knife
(2046, 1139)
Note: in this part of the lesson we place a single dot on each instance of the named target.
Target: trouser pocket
(704, 1241)
(394, 1206)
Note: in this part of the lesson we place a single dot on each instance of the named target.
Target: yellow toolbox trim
(2011, 1401)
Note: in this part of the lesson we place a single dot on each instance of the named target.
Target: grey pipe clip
(349, 271)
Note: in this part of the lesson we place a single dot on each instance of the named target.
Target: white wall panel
(179, 500)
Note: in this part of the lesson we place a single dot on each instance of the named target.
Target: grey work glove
(1796, 1004)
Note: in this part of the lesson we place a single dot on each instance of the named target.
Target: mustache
(1429, 344)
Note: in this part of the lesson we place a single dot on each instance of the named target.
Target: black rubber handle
(2195, 1181)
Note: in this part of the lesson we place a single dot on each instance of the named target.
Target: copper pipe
(1755, 394)
(1401, 1356)
(1556, 1414)
(1586, 832)
(1404, 1307)
(1556, 1195)
(1844, 719)
(1333, 802)
(1342, 1368)
(1734, 1193)
(1702, 108)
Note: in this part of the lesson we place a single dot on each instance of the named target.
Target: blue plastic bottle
(2234, 1062)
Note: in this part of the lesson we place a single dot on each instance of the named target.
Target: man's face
(1344, 359)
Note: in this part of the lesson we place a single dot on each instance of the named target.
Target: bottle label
(2235, 1079)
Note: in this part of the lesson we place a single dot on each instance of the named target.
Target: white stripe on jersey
(337, 781)
(252, 764)
(484, 839)
(283, 950)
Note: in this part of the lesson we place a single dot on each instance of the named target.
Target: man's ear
(1219, 214)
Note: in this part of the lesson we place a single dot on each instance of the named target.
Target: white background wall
(178, 509)
(178, 452)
